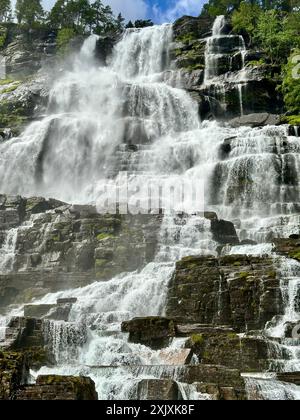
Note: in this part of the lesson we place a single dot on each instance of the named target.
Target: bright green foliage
(291, 83)
(246, 18)
(220, 7)
(64, 37)
(272, 35)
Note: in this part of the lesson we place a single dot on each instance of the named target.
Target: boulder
(154, 332)
(54, 387)
(248, 354)
(224, 232)
(255, 120)
(158, 390)
(193, 27)
(176, 357)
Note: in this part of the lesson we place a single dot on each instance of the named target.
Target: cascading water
(7, 251)
(221, 50)
(70, 153)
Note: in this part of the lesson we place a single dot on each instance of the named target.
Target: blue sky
(158, 10)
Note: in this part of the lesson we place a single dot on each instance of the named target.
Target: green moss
(291, 119)
(197, 339)
(272, 274)
(100, 263)
(10, 88)
(256, 63)
(232, 336)
(244, 275)
(56, 238)
(3, 36)
(295, 254)
(104, 236)
(5, 82)
(237, 264)
(186, 38)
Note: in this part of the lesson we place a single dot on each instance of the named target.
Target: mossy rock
(291, 119)
(295, 254)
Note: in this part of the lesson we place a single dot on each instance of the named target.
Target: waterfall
(218, 25)
(251, 176)
(221, 48)
(7, 251)
(91, 343)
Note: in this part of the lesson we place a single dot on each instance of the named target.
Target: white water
(69, 155)
(7, 251)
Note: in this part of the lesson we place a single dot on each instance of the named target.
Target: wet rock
(158, 389)
(154, 332)
(37, 311)
(176, 357)
(224, 232)
(209, 374)
(24, 333)
(59, 246)
(238, 291)
(228, 349)
(255, 120)
(288, 247)
(14, 371)
(194, 27)
(54, 387)
(291, 377)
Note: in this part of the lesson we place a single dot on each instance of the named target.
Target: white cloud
(178, 9)
(130, 9)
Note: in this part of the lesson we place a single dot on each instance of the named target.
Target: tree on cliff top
(83, 16)
(29, 11)
(5, 10)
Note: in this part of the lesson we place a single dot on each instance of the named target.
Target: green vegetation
(244, 275)
(295, 254)
(291, 86)
(3, 36)
(197, 339)
(64, 37)
(104, 236)
(272, 26)
(29, 11)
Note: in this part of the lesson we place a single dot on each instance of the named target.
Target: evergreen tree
(29, 11)
(5, 10)
(130, 25)
(143, 23)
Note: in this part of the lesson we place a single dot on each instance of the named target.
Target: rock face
(241, 84)
(59, 246)
(13, 372)
(255, 120)
(52, 387)
(239, 291)
(158, 389)
(193, 27)
(154, 332)
(26, 50)
(56, 246)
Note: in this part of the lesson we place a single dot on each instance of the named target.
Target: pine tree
(5, 10)
(29, 11)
